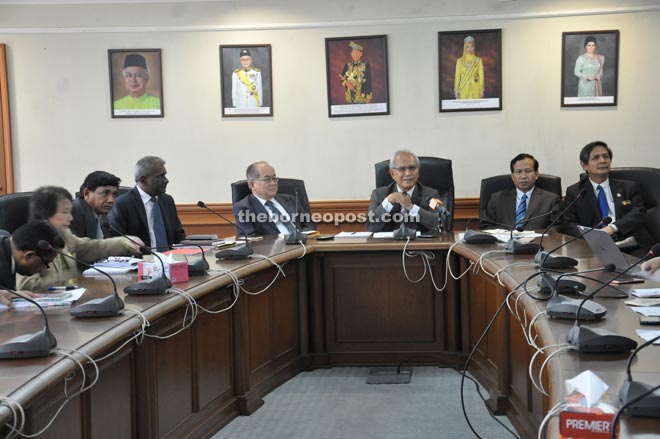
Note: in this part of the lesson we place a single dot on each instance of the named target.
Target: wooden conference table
(342, 302)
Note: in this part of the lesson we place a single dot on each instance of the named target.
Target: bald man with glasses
(405, 198)
(264, 211)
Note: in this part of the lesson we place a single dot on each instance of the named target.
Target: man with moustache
(146, 211)
(95, 200)
(405, 196)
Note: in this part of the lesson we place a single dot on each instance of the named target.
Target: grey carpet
(337, 403)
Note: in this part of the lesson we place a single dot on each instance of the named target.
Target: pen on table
(63, 288)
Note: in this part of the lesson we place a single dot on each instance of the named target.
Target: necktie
(159, 225)
(521, 210)
(276, 212)
(602, 202)
(99, 230)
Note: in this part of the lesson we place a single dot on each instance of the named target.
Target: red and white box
(176, 271)
(586, 423)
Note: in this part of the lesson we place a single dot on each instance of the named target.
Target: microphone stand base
(598, 341)
(35, 345)
(646, 407)
(563, 307)
(239, 253)
(546, 260)
(109, 306)
(516, 247)
(475, 237)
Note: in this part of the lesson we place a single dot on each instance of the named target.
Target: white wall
(62, 127)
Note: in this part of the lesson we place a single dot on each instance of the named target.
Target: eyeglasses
(129, 75)
(403, 169)
(269, 180)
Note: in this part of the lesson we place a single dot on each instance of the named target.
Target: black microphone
(545, 260)
(441, 210)
(599, 340)
(541, 258)
(198, 268)
(515, 247)
(150, 287)
(34, 345)
(624, 407)
(295, 237)
(108, 306)
(477, 237)
(555, 282)
(242, 251)
(630, 390)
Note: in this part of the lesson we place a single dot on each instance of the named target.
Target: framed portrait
(357, 76)
(589, 68)
(470, 70)
(247, 80)
(136, 83)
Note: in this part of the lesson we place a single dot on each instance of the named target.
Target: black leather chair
(434, 172)
(290, 186)
(649, 182)
(490, 185)
(14, 210)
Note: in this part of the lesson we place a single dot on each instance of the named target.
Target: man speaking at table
(405, 198)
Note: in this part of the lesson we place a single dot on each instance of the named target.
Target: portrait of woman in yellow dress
(469, 77)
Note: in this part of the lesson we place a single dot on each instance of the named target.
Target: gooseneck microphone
(530, 248)
(295, 237)
(108, 306)
(240, 252)
(151, 287)
(198, 268)
(34, 345)
(443, 213)
(542, 258)
(599, 340)
(648, 406)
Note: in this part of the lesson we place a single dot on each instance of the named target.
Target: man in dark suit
(523, 205)
(146, 211)
(621, 200)
(404, 200)
(20, 253)
(95, 200)
(265, 212)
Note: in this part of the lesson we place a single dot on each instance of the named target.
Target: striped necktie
(521, 210)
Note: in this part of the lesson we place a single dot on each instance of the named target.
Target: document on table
(504, 235)
(646, 310)
(646, 292)
(647, 335)
(65, 298)
(353, 235)
(390, 234)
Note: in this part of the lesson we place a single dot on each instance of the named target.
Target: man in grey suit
(95, 200)
(264, 211)
(525, 205)
(403, 200)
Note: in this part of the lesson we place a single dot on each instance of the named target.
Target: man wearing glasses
(95, 200)
(403, 200)
(524, 205)
(265, 212)
(136, 78)
(20, 254)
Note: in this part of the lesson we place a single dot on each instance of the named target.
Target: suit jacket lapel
(615, 187)
(139, 208)
(259, 208)
(590, 197)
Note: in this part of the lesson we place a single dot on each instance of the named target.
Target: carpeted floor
(337, 403)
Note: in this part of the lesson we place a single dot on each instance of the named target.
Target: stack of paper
(646, 292)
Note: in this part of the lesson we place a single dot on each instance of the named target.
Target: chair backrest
(649, 182)
(14, 210)
(490, 185)
(290, 186)
(434, 172)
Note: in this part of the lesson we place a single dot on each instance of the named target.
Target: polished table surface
(24, 380)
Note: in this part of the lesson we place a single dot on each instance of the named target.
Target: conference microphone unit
(151, 287)
(237, 253)
(38, 344)
(556, 282)
(630, 390)
(199, 267)
(516, 247)
(586, 339)
(477, 237)
(542, 258)
(295, 237)
(436, 205)
(108, 306)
